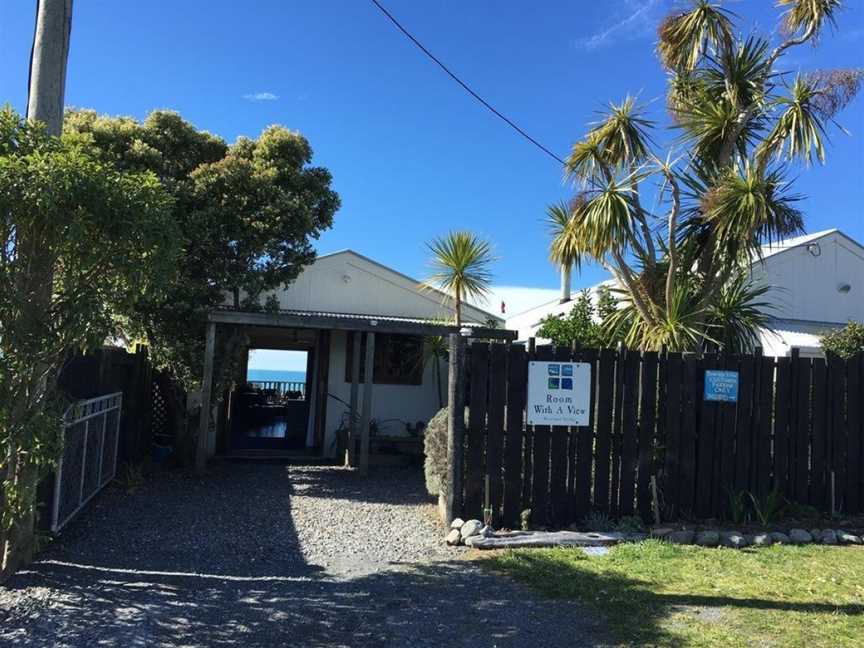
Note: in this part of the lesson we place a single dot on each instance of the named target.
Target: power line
(509, 122)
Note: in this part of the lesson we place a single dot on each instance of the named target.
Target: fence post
(455, 428)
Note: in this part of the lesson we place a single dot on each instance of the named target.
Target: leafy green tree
(578, 327)
(460, 268)
(743, 126)
(846, 342)
(102, 240)
(247, 215)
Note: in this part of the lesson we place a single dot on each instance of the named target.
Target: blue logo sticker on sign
(721, 386)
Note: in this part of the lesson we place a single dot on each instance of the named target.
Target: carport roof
(353, 322)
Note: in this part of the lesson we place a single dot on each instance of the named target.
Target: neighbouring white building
(816, 284)
(335, 305)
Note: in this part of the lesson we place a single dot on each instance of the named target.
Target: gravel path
(271, 555)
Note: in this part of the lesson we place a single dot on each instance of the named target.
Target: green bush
(846, 342)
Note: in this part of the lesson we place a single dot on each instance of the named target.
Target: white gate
(91, 435)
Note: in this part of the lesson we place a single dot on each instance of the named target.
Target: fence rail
(91, 433)
(796, 428)
(281, 387)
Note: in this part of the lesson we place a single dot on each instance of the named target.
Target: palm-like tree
(460, 268)
(565, 249)
(743, 127)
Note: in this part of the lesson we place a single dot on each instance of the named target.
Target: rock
(733, 539)
(779, 538)
(454, 537)
(661, 532)
(681, 537)
(762, 540)
(800, 536)
(457, 523)
(708, 539)
(845, 537)
(816, 533)
(470, 528)
(487, 531)
(828, 537)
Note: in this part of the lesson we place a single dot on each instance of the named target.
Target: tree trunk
(565, 283)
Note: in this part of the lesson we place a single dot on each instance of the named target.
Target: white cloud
(260, 96)
(634, 19)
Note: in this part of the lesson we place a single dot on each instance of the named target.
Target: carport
(316, 330)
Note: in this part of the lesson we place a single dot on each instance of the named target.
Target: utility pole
(45, 94)
(48, 63)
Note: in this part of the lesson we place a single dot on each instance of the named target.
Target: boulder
(828, 537)
(845, 537)
(454, 537)
(708, 539)
(733, 539)
(457, 523)
(470, 528)
(762, 540)
(681, 537)
(487, 531)
(816, 533)
(800, 537)
(779, 537)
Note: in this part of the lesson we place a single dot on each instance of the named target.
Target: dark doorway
(271, 409)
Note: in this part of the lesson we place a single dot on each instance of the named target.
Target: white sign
(559, 393)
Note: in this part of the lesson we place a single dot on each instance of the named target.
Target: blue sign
(721, 386)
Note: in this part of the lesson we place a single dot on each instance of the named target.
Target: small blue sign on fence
(721, 386)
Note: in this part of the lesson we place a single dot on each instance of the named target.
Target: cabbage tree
(723, 190)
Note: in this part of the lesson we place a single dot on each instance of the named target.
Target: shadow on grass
(634, 609)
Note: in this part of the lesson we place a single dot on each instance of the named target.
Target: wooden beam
(353, 427)
(455, 428)
(351, 323)
(366, 415)
(206, 385)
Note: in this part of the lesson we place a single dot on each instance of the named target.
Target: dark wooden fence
(153, 407)
(797, 427)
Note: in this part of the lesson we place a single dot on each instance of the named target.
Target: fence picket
(474, 465)
(540, 470)
(603, 447)
(629, 433)
(647, 431)
(495, 426)
(854, 430)
(517, 383)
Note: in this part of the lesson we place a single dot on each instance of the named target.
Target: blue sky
(411, 153)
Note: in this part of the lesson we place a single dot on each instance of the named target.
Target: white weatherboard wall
(805, 275)
(404, 403)
(347, 282)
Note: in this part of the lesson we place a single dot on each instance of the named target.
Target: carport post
(206, 384)
(455, 428)
(353, 426)
(369, 376)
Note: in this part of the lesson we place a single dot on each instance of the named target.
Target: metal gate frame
(94, 414)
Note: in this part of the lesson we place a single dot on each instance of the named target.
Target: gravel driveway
(272, 555)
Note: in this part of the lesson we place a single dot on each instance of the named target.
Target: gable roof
(476, 312)
(778, 247)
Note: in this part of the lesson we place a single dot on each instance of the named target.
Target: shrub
(846, 342)
(435, 448)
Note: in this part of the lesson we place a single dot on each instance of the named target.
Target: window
(398, 359)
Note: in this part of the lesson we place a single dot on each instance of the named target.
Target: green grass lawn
(654, 593)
